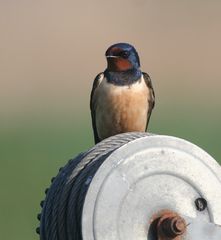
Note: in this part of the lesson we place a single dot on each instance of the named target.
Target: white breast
(121, 108)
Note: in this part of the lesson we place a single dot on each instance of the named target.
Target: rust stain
(169, 225)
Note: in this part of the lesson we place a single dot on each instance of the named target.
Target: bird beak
(109, 56)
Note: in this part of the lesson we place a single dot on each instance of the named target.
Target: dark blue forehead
(123, 46)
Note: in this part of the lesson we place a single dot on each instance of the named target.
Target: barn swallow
(122, 97)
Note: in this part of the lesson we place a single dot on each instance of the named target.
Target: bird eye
(125, 54)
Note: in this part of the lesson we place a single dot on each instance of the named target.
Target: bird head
(122, 57)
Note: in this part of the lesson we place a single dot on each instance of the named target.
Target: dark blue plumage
(133, 57)
(123, 66)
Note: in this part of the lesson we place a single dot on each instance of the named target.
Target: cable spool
(135, 186)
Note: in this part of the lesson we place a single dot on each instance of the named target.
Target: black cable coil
(60, 218)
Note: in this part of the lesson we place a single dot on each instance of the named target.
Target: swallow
(122, 97)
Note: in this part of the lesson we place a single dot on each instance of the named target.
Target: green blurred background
(51, 51)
